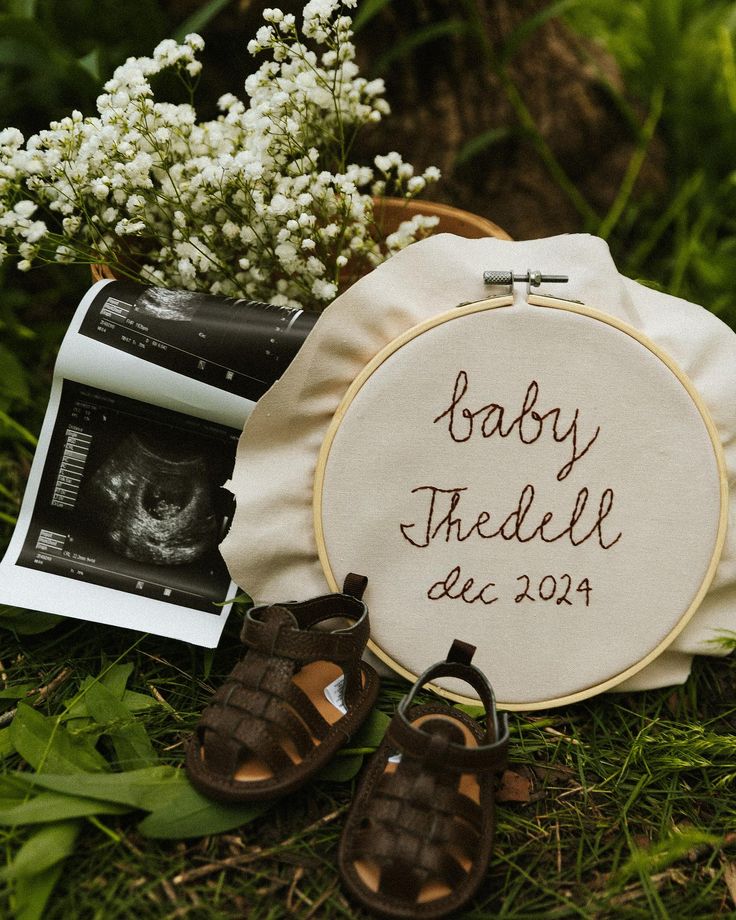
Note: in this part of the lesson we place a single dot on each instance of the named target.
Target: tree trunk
(456, 88)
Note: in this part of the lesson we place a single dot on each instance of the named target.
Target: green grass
(678, 61)
(631, 812)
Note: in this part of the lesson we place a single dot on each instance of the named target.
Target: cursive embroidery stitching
(529, 424)
(442, 520)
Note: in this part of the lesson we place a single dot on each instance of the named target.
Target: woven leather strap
(419, 827)
(419, 823)
(294, 638)
(259, 705)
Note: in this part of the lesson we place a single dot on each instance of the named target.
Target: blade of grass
(635, 164)
(679, 202)
(16, 428)
(419, 37)
(44, 849)
(366, 11)
(526, 120)
(528, 26)
(199, 19)
(482, 142)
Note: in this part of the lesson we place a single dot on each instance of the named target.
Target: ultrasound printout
(127, 497)
(131, 498)
(240, 346)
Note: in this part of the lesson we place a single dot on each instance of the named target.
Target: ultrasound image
(177, 306)
(132, 498)
(152, 505)
(241, 346)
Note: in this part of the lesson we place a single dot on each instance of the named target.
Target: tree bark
(457, 88)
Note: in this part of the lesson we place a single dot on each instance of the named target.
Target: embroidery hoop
(581, 310)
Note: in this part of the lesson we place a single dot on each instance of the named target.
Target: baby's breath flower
(324, 290)
(36, 231)
(127, 227)
(64, 254)
(245, 205)
(100, 189)
(24, 208)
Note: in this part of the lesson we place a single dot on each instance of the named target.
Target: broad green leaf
(189, 814)
(55, 806)
(27, 622)
(365, 741)
(113, 677)
(32, 893)
(47, 847)
(47, 745)
(17, 692)
(130, 739)
(13, 786)
(476, 712)
(143, 789)
(371, 732)
(6, 743)
(342, 769)
(199, 19)
(140, 702)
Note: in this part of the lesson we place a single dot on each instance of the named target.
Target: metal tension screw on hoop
(532, 278)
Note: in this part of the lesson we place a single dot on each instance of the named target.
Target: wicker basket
(389, 212)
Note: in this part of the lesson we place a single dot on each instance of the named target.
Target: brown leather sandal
(419, 834)
(288, 705)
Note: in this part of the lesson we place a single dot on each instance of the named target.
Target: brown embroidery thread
(496, 412)
(564, 598)
(446, 588)
(443, 588)
(450, 525)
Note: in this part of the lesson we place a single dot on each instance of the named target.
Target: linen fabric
(271, 549)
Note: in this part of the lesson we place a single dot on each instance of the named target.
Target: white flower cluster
(259, 203)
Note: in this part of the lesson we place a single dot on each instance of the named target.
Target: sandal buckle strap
(288, 642)
(461, 652)
(456, 757)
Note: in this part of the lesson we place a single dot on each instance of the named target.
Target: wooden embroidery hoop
(494, 303)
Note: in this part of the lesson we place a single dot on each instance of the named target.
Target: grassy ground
(625, 804)
(630, 809)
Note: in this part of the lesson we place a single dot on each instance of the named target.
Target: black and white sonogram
(241, 346)
(176, 306)
(131, 498)
(153, 503)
